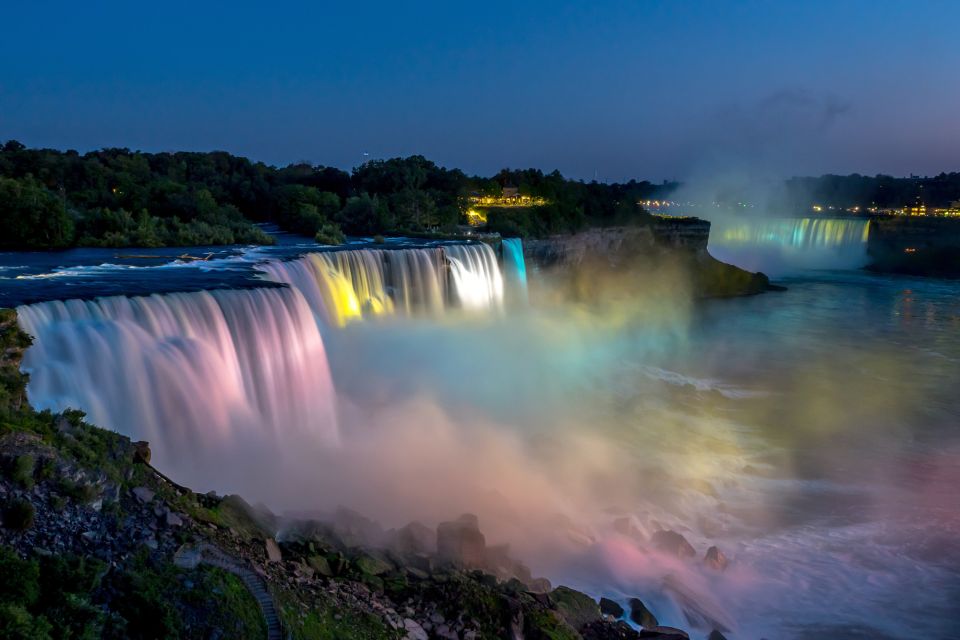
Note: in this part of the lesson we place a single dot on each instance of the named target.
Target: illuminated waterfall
(514, 267)
(341, 286)
(193, 373)
(784, 243)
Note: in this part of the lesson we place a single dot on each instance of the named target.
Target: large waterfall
(197, 374)
(194, 373)
(341, 286)
(781, 244)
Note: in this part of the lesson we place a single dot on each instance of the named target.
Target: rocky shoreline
(109, 547)
(633, 254)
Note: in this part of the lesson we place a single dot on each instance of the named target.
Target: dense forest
(53, 199)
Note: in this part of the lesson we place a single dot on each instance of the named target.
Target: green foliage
(31, 216)
(330, 233)
(18, 515)
(21, 470)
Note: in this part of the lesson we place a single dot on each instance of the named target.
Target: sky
(602, 90)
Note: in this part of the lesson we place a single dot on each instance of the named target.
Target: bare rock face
(143, 494)
(715, 559)
(273, 550)
(460, 542)
(672, 543)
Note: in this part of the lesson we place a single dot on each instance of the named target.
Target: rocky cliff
(635, 252)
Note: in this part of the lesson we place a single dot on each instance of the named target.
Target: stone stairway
(255, 584)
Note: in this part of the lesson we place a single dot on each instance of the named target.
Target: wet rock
(672, 543)
(610, 608)
(273, 551)
(604, 630)
(664, 633)
(715, 559)
(640, 615)
(356, 530)
(578, 609)
(716, 635)
(173, 520)
(144, 494)
(460, 541)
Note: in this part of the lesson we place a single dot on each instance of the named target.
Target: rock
(173, 520)
(672, 543)
(414, 630)
(715, 559)
(460, 541)
(611, 608)
(539, 585)
(640, 615)
(143, 494)
(578, 609)
(320, 565)
(716, 635)
(664, 633)
(273, 551)
(356, 530)
(372, 565)
(141, 452)
(605, 630)
(414, 538)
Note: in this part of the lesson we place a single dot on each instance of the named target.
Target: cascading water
(343, 286)
(195, 374)
(515, 268)
(783, 244)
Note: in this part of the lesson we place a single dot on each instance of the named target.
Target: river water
(812, 434)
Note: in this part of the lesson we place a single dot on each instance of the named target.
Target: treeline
(880, 191)
(117, 197)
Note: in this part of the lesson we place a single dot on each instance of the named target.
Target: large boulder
(460, 542)
(353, 529)
(578, 609)
(272, 550)
(640, 615)
(141, 452)
(609, 607)
(414, 538)
(672, 543)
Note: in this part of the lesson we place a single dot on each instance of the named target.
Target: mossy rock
(372, 565)
(544, 624)
(578, 609)
(320, 565)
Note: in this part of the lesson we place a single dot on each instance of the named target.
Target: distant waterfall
(514, 267)
(783, 243)
(342, 286)
(192, 373)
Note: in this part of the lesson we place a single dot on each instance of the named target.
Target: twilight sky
(602, 88)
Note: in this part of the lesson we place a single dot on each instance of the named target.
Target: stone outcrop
(460, 542)
(672, 543)
(679, 244)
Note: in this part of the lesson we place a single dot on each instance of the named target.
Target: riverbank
(104, 545)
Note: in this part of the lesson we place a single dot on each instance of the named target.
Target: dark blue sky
(614, 89)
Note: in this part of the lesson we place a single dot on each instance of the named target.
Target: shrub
(22, 471)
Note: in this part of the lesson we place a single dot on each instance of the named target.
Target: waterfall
(515, 268)
(193, 373)
(783, 243)
(342, 286)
